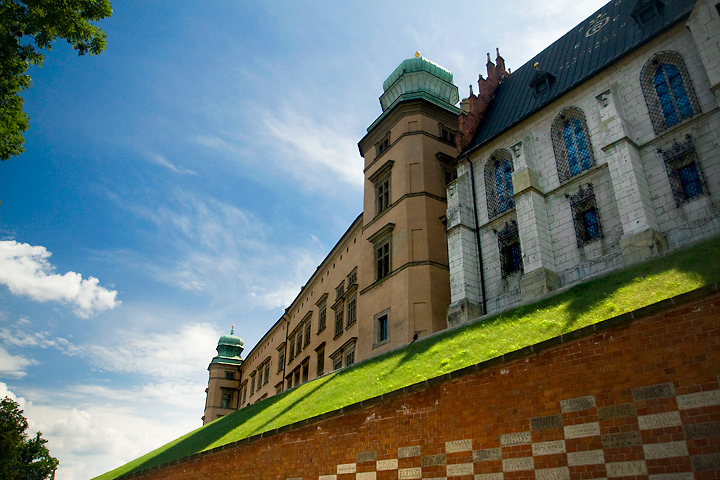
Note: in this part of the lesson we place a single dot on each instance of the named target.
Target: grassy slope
(452, 350)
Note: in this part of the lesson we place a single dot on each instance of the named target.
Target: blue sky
(191, 177)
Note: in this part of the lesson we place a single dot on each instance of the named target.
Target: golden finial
(417, 54)
(232, 330)
(536, 65)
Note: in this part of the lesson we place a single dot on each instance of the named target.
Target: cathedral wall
(629, 185)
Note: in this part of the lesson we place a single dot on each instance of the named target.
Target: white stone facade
(633, 198)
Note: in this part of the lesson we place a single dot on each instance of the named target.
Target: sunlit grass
(452, 350)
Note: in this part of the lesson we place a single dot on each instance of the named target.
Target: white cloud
(26, 271)
(164, 162)
(13, 366)
(178, 354)
(315, 152)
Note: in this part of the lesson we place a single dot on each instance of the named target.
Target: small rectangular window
(308, 328)
(351, 311)
(339, 322)
(382, 195)
(322, 318)
(321, 362)
(227, 399)
(382, 260)
(229, 376)
(305, 373)
(267, 373)
(298, 345)
(281, 360)
(337, 363)
(382, 334)
(291, 352)
(350, 357)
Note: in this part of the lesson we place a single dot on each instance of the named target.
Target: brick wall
(635, 397)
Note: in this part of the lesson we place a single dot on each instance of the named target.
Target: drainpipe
(477, 237)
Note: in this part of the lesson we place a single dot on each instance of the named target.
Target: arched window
(667, 89)
(498, 183)
(571, 143)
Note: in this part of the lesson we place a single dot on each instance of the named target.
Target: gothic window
(667, 89)
(571, 143)
(585, 215)
(684, 171)
(498, 183)
(509, 246)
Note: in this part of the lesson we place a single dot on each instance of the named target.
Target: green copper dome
(418, 77)
(229, 348)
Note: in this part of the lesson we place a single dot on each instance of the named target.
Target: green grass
(580, 306)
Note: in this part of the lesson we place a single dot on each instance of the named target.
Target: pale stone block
(391, 464)
(582, 430)
(659, 420)
(457, 469)
(665, 450)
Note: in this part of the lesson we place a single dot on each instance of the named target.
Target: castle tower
(409, 154)
(224, 383)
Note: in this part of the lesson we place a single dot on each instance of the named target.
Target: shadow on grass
(435, 355)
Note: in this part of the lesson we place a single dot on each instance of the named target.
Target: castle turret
(224, 382)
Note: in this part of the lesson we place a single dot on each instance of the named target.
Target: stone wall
(637, 396)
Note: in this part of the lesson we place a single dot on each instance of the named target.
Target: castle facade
(601, 151)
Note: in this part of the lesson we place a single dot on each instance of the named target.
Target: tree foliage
(27, 27)
(21, 458)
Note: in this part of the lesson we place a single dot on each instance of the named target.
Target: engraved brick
(665, 450)
(510, 439)
(369, 456)
(430, 460)
(293, 478)
(457, 469)
(406, 452)
(699, 399)
(590, 457)
(548, 448)
(487, 454)
(327, 477)
(391, 464)
(582, 430)
(626, 469)
(577, 404)
(346, 468)
(616, 411)
(561, 473)
(458, 446)
(410, 472)
(365, 476)
(703, 463)
(516, 464)
(624, 439)
(661, 390)
(489, 476)
(702, 430)
(659, 420)
(672, 476)
(542, 423)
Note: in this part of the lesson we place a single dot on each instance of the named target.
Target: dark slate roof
(596, 43)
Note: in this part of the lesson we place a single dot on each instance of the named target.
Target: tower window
(382, 325)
